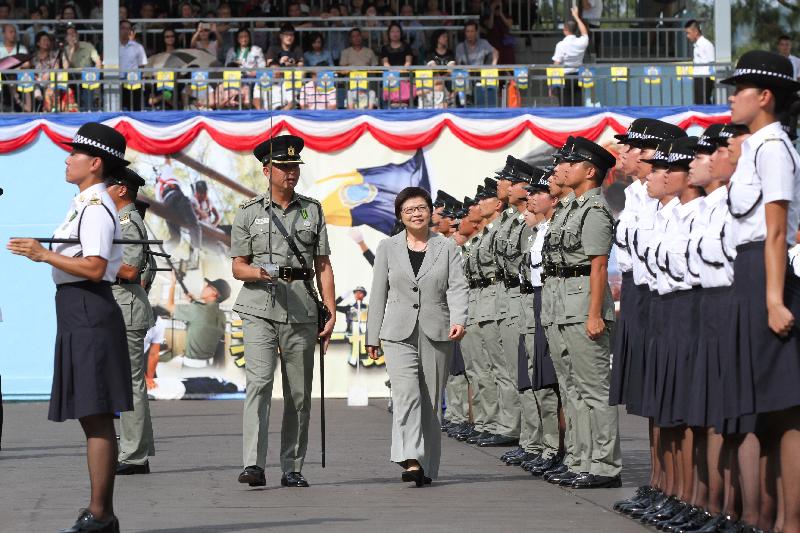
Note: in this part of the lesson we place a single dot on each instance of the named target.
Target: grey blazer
(436, 298)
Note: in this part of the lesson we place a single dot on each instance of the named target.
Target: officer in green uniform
(585, 320)
(136, 428)
(506, 403)
(278, 309)
(552, 307)
(205, 321)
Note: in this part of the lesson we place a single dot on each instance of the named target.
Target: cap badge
(290, 151)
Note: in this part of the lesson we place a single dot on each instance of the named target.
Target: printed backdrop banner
(356, 163)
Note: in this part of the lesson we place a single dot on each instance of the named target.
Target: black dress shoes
(293, 479)
(594, 481)
(697, 522)
(640, 492)
(475, 436)
(524, 458)
(533, 463)
(656, 504)
(511, 453)
(545, 465)
(253, 476)
(87, 523)
(498, 440)
(416, 476)
(719, 523)
(126, 469)
(459, 428)
(557, 470)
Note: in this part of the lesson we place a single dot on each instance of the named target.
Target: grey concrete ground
(193, 487)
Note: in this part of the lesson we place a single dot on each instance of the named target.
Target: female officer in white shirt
(92, 374)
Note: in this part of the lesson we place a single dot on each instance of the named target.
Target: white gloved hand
(356, 235)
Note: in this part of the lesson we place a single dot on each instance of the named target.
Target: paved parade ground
(193, 488)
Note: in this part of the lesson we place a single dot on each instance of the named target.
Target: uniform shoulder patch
(125, 219)
(510, 210)
(95, 200)
(251, 201)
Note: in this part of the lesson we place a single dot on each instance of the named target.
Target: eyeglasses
(421, 209)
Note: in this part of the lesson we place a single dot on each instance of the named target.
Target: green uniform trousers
(457, 391)
(591, 376)
(136, 427)
(296, 342)
(540, 412)
(479, 374)
(577, 456)
(506, 402)
(511, 409)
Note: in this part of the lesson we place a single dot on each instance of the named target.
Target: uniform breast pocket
(570, 238)
(744, 194)
(576, 297)
(260, 239)
(307, 238)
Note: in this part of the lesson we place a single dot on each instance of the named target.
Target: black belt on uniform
(287, 273)
(121, 281)
(479, 283)
(510, 283)
(526, 288)
(572, 271)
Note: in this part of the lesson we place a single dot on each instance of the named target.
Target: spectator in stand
(185, 11)
(205, 38)
(702, 56)
(29, 35)
(131, 58)
(11, 45)
(285, 54)
(169, 40)
(357, 7)
(147, 10)
(785, 49)
(432, 10)
(413, 30)
(46, 59)
(375, 34)
(569, 54)
(245, 54)
(474, 51)
(233, 94)
(440, 54)
(358, 55)
(337, 40)
(281, 97)
(317, 98)
(226, 38)
(498, 26)
(293, 10)
(317, 56)
(68, 12)
(82, 55)
(397, 53)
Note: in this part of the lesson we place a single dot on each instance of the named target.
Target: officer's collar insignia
(125, 218)
(95, 200)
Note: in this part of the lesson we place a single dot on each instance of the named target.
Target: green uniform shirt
(205, 326)
(469, 262)
(487, 269)
(131, 297)
(287, 302)
(505, 224)
(552, 303)
(586, 231)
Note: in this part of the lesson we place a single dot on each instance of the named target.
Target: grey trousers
(545, 422)
(457, 390)
(479, 374)
(418, 369)
(598, 432)
(577, 454)
(136, 427)
(506, 409)
(297, 343)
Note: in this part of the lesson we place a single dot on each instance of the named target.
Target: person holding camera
(279, 245)
(285, 54)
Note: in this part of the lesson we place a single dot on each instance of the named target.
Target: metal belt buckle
(287, 274)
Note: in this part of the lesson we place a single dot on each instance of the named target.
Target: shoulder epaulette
(308, 198)
(251, 201)
(95, 200)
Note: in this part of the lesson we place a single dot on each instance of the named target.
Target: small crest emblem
(290, 151)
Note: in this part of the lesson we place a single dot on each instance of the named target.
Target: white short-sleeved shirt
(626, 221)
(661, 222)
(594, 12)
(639, 236)
(710, 256)
(672, 253)
(569, 52)
(156, 334)
(96, 214)
(536, 253)
(703, 54)
(768, 171)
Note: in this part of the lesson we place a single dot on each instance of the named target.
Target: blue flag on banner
(366, 195)
(391, 81)
(460, 80)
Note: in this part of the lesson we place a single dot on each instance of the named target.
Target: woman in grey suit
(418, 310)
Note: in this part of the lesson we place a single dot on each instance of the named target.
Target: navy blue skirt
(681, 350)
(766, 369)
(621, 347)
(457, 366)
(92, 369)
(638, 341)
(544, 375)
(523, 372)
(655, 326)
(714, 354)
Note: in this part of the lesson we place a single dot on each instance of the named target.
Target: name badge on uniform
(307, 224)
(261, 220)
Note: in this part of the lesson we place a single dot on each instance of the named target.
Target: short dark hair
(408, 193)
(693, 24)
(286, 27)
(354, 29)
(201, 186)
(40, 35)
(571, 26)
(784, 37)
(471, 23)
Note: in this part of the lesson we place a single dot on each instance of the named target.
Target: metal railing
(31, 91)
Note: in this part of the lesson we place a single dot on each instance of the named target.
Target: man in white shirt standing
(703, 55)
(131, 58)
(569, 53)
(784, 49)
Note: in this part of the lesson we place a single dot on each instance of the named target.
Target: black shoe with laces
(253, 475)
(87, 523)
(293, 479)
